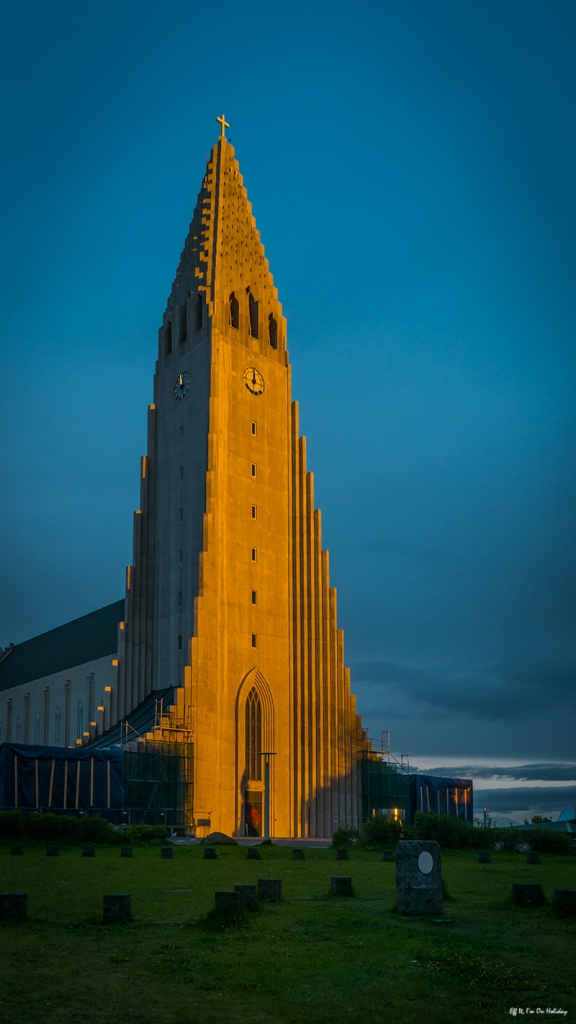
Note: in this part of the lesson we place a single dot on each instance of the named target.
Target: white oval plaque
(425, 862)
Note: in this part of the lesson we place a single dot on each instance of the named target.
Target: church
(226, 642)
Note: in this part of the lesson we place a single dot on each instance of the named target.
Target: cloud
(544, 772)
(500, 692)
(537, 799)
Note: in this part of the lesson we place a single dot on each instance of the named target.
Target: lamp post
(267, 754)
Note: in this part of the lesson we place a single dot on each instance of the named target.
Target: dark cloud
(496, 692)
(521, 799)
(530, 772)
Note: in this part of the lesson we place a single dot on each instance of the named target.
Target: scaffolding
(158, 784)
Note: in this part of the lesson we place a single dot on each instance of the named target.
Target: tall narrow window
(272, 331)
(181, 433)
(253, 469)
(234, 311)
(37, 728)
(168, 338)
(254, 644)
(253, 311)
(18, 730)
(181, 473)
(180, 515)
(253, 554)
(57, 727)
(179, 643)
(180, 599)
(253, 428)
(183, 325)
(253, 736)
(253, 511)
(254, 597)
(79, 720)
(198, 314)
(180, 557)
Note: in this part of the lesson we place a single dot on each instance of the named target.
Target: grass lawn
(309, 959)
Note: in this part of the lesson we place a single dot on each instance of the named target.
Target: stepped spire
(223, 261)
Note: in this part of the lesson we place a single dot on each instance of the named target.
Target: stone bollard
(253, 853)
(298, 854)
(418, 877)
(52, 851)
(116, 908)
(248, 895)
(341, 854)
(388, 855)
(210, 853)
(88, 851)
(565, 902)
(270, 889)
(13, 906)
(528, 894)
(166, 852)
(484, 857)
(126, 851)
(341, 885)
(17, 850)
(532, 857)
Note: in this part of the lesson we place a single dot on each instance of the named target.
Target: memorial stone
(126, 851)
(248, 895)
(88, 851)
(341, 854)
(224, 900)
(166, 852)
(341, 885)
(13, 906)
(528, 894)
(116, 908)
(210, 853)
(418, 877)
(270, 889)
(565, 902)
(253, 853)
(484, 857)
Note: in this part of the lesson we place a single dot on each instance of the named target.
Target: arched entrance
(254, 734)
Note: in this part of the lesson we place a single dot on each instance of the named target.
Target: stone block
(253, 853)
(528, 894)
(116, 908)
(13, 906)
(270, 889)
(418, 877)
(224, 900)
(388, 855)
(565, 902)
(341, 885)
(166, 853)
(210, 853)
(341, 854)
(126, 851)
(52, 851)
(248, 895)
(532, 857)
(298, 854)
(484, 857)
(18, 851)
(88, 851)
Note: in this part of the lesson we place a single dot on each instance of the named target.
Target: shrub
(146, 833)
(545, 841)
(11, 825)
(94, 829)
(450, 832)
(343, 837)
(379, 831)
(52, 827)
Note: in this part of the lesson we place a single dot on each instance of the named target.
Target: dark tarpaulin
(62, 780)
(433, 794)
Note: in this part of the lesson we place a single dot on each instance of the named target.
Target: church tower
(229, 599)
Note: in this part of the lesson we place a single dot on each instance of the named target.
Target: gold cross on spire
(222, 121)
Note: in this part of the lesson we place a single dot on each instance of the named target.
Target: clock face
(254, 381)
(182, 385)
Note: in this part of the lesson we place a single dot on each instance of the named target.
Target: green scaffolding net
(385, 790)
(158, 783)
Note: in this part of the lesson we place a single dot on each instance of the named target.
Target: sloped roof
(140, 721)
(92, 636)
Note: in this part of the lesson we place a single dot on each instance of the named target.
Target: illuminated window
(272, 331)
(253, 554)
(253, 736)
(234, 311)
(254, 597)
(253, 511)
(168, 338)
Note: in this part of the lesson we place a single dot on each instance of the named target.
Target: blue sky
(411, 168)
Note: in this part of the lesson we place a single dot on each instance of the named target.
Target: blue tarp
(62, 780)
(433, 794)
